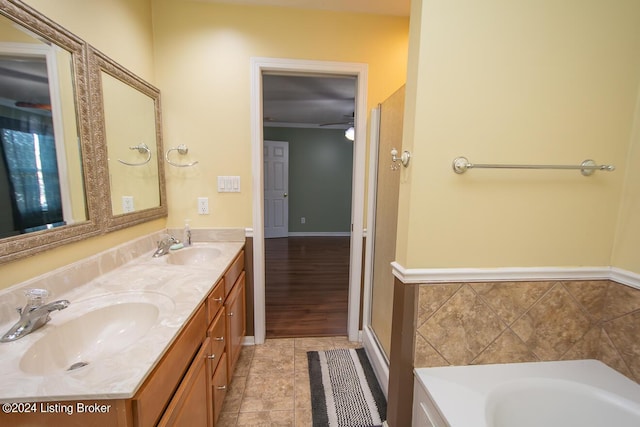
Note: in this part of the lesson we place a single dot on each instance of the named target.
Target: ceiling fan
(346, 122)
(350, 132)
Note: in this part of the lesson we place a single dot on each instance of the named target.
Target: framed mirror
(47, 182)
(127, 124)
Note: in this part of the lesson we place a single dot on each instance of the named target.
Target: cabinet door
(236, 327)
(219, 387)
(190, 404)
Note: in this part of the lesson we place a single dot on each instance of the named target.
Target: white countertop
(118, 376)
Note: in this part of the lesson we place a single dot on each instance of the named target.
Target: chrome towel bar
(588, 167)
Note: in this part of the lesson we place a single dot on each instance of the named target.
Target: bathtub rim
(447, 386)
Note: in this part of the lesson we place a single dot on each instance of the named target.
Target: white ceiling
(380, 7)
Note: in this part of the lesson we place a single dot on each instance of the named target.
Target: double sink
(114, 331)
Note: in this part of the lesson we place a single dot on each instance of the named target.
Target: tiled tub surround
(126, 270)
(507, 322)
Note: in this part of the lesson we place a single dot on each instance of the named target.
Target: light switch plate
(228, 184)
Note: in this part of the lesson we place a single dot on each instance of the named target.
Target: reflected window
(30, 179)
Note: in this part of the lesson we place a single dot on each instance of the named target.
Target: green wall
(320, 172)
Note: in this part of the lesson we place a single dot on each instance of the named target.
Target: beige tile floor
(270, 386)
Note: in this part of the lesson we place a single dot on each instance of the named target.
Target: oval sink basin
(89, 337)
(194, 256)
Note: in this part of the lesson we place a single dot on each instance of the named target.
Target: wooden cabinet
(226, 330)
(151, 400)
(219, 387)
(221, 325)
(236, 326)
(189, 406)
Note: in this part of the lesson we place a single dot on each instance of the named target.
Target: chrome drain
(77, 365)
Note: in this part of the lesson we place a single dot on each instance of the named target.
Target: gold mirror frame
(98, 63)
(15, 247)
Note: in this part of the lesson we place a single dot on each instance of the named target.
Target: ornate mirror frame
(98, 63)
(20, 246)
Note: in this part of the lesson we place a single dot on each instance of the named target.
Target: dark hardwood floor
(307, 286)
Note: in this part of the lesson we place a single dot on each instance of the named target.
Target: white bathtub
(577, 393)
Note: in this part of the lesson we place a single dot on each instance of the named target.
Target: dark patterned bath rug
(344, 389)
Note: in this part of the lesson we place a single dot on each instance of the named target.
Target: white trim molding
(625, 277)
(376, 356)
(508, 274)
(286, 66)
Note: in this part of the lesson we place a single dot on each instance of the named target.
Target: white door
(276, 188)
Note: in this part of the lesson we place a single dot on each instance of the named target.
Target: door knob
(285, 195)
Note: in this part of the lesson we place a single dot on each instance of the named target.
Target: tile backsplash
(507, 322)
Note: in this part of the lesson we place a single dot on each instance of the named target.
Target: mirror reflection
(130, 133)
(41, 176)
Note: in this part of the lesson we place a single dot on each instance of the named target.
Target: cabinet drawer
(233, 272)
(219, 387)
(215, 300)
(216, 332)
(155, 393)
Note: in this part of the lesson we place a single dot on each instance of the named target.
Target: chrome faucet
(34, 315)
(164, 245)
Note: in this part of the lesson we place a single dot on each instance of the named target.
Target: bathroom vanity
(152, 342)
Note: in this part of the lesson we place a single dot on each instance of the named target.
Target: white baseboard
(247, 340)
(378, 360)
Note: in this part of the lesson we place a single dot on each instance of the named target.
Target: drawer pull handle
(211, 356)
(218, 339)
(231, 314)
(218, 299)
(221, 387)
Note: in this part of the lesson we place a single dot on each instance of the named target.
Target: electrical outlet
(203, 206)
(303, 220)
(127, 204)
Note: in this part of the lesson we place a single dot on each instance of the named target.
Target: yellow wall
(203, 53)
(518, 82)
(122, 30)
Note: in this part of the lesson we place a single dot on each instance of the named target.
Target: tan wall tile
(590, 294)
(553, 325)
(507, 348)
(431, 298)
(624, 335)
(509, 322)
(621, 300)
(462, 327)
(510, 300)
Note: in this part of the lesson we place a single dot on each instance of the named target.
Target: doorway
(260, 66)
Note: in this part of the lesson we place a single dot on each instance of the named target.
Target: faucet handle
(35, 298)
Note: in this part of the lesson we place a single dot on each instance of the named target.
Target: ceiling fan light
(350, 133)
